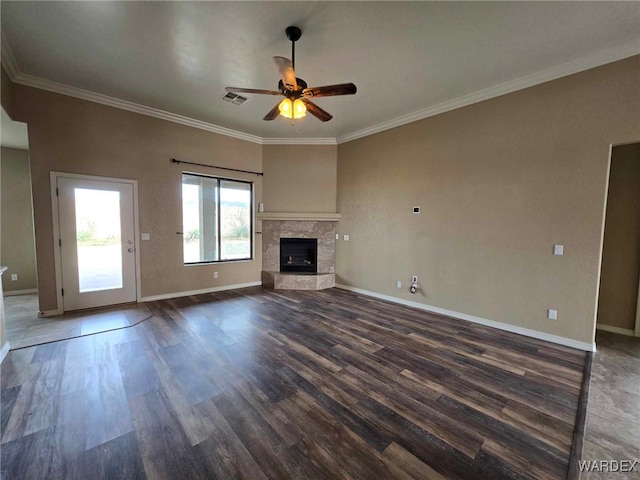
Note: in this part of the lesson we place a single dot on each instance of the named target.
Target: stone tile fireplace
(296, 273)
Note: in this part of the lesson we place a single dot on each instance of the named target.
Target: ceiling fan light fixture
(299, 109)
(292, 108)
(286, 108)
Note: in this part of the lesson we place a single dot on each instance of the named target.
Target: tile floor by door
(613, 412)
(25, 328)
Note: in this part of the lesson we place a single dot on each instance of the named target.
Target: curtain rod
(173, 160)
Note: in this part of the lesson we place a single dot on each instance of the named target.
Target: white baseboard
(166, 296)
(11, 293)
(589, 347)
(621, 331)
(4, 350)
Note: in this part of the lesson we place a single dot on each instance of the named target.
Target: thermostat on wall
(416, 209)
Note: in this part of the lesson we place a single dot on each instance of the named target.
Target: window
(216, 219)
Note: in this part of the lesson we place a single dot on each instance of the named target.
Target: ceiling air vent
(233, 98)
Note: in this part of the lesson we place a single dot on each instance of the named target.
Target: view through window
(217, 219)
(98, 239)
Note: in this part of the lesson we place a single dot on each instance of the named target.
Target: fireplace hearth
(299, 255)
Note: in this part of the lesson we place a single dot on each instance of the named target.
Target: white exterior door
(97, 247)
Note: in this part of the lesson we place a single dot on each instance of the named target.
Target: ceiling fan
(296, 102)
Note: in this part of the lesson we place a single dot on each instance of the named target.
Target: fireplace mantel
(299, 216)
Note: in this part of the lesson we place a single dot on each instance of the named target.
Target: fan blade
(330, 90)
(251, 90)
(316, 111)
(285, 69)
(273, 113)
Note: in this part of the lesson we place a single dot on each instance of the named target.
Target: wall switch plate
(398, 284)
(346, 238)
(215, 274)
(416, 210)
(558, 249)
(145, 236)
(14, 277)
(552, 314)
(337, 236)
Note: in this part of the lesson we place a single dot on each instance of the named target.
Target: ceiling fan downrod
(293, 34)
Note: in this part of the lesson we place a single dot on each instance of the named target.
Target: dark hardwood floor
(260, 384)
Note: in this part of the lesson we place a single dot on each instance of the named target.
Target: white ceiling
(13, 134)
(408, 59)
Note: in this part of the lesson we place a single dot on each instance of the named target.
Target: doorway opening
(17, 238)
(619, 296)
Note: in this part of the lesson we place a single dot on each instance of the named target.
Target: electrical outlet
(215, 274)
(398, 284)
(414, 279)
(145, 236)
(14, 277)
(552, 314)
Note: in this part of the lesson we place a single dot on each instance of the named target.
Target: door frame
(56, 230)
(637, 329)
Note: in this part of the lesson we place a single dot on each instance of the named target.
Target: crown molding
(63, 89)
(584, 63)
(8, 60)
(299, 141)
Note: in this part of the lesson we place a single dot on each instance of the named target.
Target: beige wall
(17, 250)
(71, 135)
(621, 251)
(300, 178)
(499, 182)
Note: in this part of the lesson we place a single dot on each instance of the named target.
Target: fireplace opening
(299, 255)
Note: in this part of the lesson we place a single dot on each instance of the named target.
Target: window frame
(218, 205)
